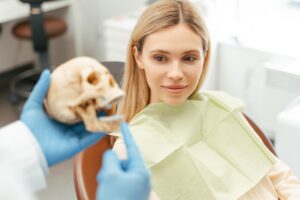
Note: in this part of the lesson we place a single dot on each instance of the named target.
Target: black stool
(38, 28)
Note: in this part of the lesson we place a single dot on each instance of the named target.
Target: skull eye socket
(93, 79)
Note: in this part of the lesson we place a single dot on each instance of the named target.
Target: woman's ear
(138, 57)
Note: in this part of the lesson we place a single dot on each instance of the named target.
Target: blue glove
(58, 141)
(124, 179)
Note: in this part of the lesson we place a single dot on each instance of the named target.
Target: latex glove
(124, 179)
(58, 141)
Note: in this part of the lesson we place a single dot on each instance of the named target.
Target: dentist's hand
(58, 141)
(124, 179)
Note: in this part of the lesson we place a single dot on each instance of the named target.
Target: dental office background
(256, 57)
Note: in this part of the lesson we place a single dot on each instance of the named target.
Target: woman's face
(172, 60)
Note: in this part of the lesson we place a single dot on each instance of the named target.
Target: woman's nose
(175, 71)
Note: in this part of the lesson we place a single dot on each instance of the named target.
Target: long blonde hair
(160, 15)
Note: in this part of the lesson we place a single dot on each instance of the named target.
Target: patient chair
(88, 163)
(262, 136)
(86, 167)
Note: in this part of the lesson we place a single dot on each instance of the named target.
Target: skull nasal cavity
(93, 79)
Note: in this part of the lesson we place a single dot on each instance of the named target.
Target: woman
(197, 144)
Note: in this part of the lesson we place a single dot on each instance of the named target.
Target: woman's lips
(175, 89)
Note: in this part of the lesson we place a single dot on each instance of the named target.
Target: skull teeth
(111, 118)
(114, 98)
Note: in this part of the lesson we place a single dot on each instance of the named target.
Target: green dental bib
(201, 149)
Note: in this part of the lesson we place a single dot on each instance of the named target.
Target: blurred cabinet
(117, 32)
(288, 136)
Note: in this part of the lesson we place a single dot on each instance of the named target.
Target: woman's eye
(190, 58)
(160, 58)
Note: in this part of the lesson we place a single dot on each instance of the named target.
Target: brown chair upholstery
(86, 167)
(88, 163)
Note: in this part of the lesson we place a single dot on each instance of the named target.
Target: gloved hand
(124, 179)
(58, 141)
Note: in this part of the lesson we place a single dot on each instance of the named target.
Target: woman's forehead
(176, 38)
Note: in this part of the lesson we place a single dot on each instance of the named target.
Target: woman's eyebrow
(167, 52)
(159, 51)
(192, 51)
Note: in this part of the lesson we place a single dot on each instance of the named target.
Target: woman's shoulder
(222, 99)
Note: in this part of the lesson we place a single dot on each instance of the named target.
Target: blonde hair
(160, 15)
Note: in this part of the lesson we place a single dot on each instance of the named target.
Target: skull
(79, 89)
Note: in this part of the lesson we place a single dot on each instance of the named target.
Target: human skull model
(79, 89)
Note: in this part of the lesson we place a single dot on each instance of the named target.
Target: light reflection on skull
(79, 89)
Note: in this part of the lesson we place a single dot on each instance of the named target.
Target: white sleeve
(12, 187)
(19, 148)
